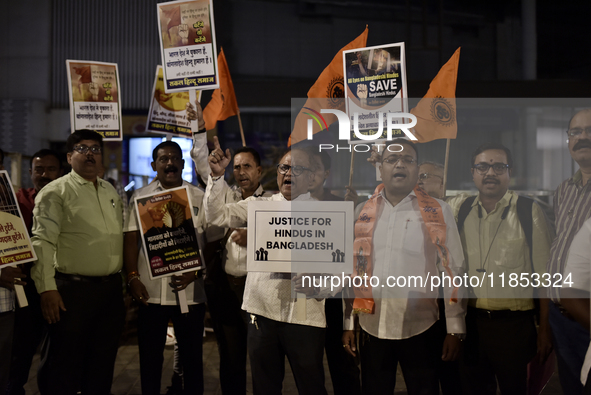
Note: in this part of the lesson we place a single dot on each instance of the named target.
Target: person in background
(29, 328)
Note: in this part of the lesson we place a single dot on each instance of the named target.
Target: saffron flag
(330, 85)
(223, 102)
(436, 112)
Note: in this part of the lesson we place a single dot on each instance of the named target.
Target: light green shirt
(502, 255)
(77, 229)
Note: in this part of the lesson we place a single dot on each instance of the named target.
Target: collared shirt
(578, 272)
(572, 207)
(265, 294)
(402, 249)
(26, 202)
(77, 229)
(500, 247)
(159, 289)
(6, 299)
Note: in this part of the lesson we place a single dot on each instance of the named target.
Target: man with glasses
(572, 207)
(498, 245)
(274, 331)
(158, 302)
(431, 179)
(77, 235)
(393, 243)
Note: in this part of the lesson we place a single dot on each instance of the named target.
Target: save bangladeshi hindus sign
(168, 232)
(168, 111)
(95, 98)
(15, 245)
(188, 45)
(300, 237)
(375, 85)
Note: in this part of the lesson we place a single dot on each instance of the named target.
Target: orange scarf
(432, 215)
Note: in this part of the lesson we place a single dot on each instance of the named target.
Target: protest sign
(168, 232)
(15, 245)
(95, 98)
(375, 85)
(300, 237)
(168, 110)
(188, 45)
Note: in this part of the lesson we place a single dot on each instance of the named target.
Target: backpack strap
(524, 213)
(465, 209)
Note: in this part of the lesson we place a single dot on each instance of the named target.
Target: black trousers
(229, 324)
(497, 348)
(29, 331)
(418, 356)
(343, 368)
(6, 331)
(80, 351)
(269, 342)
(188, 329)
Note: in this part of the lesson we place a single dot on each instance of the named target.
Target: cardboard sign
(300, 237)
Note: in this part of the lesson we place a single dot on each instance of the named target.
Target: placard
(15, 244)
(300, 237)
(168, 232)
(95, 98)
(168, 112)
(375, 85)
(188, 45)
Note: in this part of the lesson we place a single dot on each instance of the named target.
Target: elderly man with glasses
(274, 331)
(77, 235)
(505, 237)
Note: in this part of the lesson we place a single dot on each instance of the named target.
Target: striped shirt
(6, 299)
(572, 207)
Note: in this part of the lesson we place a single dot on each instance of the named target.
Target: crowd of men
(454, 339)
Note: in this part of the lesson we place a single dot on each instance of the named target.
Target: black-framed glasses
(393, 159)
(499, 168)
(165, 158)
(424, 176)
(295, 170)
(83, 149)
(577, 132)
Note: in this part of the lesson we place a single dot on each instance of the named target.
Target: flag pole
(445, 167)
(241, 130)
(351, 168)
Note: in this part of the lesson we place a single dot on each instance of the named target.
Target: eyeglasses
(295, 170)
(424, 176)
(577, 132)
(499, 168)
(83, 149)
(393, 159)
(165, 158)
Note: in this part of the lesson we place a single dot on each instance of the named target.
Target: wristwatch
(460, 336)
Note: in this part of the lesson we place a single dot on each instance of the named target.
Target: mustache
(90, 159)
(493, 179)
(45, 180)
(171, 168)
(582, 144)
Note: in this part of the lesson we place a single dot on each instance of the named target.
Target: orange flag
(330, 85)
(223, 102)
(436, 112)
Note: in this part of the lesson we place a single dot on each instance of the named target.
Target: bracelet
(461, 336)
(201, 131)
(131, 278)
(131, 274)
(214, 179)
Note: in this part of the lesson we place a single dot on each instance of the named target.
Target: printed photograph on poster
(168, 110)
(375, 85)
(188, 45)
(95, 98)
(15, 244)
(168, 232)
(300, 237)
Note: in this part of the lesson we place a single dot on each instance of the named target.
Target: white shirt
(402, 248)
(159, 289)
(265, 294)
(579, 266)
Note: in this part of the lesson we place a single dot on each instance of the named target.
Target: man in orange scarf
(415, 237)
